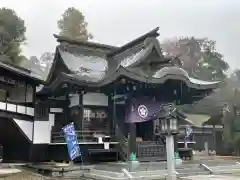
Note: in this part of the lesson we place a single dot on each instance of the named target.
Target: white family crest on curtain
(142, 111)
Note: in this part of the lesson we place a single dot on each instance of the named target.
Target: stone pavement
(148, 170)
(158, 169)
(211, 177)
(8, 171)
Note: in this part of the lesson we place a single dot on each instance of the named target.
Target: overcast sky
(116, 22)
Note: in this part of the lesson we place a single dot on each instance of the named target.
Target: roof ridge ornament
(152, 33)
(65, 39)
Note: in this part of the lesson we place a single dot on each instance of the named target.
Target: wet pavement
(189, 170)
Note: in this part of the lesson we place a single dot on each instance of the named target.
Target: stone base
(133, 164)
(173, 177)
(178, 161)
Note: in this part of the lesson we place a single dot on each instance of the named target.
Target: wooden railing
(83, 136)
(150, 149)
(16, 108)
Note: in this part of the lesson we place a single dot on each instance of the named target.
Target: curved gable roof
(91, 68)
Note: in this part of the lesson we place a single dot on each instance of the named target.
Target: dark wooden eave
(10, 115)
(26, 73)
(124, 73)
(214, 120)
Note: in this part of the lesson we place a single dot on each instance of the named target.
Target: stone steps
(225, 169)
(219, 162)
(190, 170)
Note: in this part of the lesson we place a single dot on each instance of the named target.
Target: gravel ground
(25, 175)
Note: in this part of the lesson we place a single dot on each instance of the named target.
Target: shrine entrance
(145, 131)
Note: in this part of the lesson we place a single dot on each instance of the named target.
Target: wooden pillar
(214, 138)
(111, 115)
(175, 143)
(66, 110)
(31, 153)
(80, 117)
(34, 106)
(80, 114)
(25, 95)
(132, 139)
(6, 99)
(114, 110)
(76, 113)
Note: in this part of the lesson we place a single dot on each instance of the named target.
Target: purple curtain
(142, 109)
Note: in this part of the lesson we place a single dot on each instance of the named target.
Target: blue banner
(71, 140)
(188, 132)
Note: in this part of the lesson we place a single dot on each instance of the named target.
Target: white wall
(56, 110)
(25, 126)
(42, 130)
(95, 99)
(74, 100)
(17, 108)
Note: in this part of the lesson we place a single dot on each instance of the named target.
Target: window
(41, 111)
(95, 120)
(3, 94)
(16, 94)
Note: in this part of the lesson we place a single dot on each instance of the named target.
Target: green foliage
(73, 25)
(232, 130)
(201, 60)
(39, 66)
(12, 35)
(237, 75)
(212, 67)
(199, 57)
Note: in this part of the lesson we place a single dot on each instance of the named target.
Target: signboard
(188, 132)
(72, 142)
(8, 80)
(11, 81)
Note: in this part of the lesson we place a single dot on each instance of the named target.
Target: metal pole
(170, 157)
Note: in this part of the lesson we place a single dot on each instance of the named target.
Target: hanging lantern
(175, 92)
(65, 86)
(123, 81)
(169, 124)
